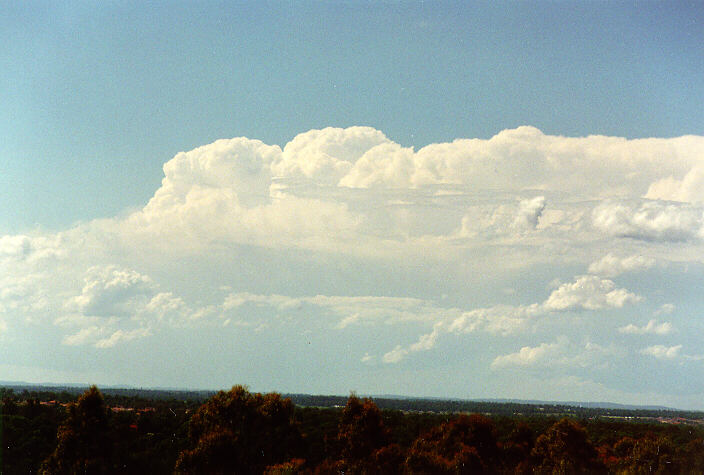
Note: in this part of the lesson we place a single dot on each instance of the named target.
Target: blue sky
(469, 193)
(97, 97)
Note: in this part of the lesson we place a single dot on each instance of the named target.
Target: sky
(447, 199)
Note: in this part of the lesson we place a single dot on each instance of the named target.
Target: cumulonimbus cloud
(510, 200)
(332, 188)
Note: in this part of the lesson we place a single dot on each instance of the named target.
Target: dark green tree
(648, 454)
(240, 432)
(361, 429)
(363, 439)
(564, 449)
(83, 444)
(465, 444)
(515, 450)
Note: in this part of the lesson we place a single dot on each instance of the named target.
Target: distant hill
(507, 407)
(538, 402)
(600, 405)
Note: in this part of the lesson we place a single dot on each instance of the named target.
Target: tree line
(240, 432)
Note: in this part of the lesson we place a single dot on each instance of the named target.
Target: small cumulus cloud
(395, 355)
(117, 304)
(665, 309)
(94, 336)
(499, 319)
(529, 211)
(122, 335)
(669, 353)
(83, 336)
(651, 328)
(586, 293)
(649, 221)
(16, 247)
(531, 356)
(281, 302)
(662, 352)
(504, 219)
(689, 189)
(112, 292)
(611, 265)
(561, 353)
(425, 342)
(590, 293)
(352, 310)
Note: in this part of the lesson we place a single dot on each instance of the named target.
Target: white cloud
(665, 309)
(561, 353)
(529, 212)
(112, 292)
(224, 192)
(372, 310)
(122, 335)
(118, 304)
(504, 219)
(525, 158)
(16, 247)
(590, 293)
(425, 342)
(30, 249)
(662, 352)
(689, 189)
(24, 293)
(651, 328)
(354, 190)
(351, 309)
(586, 293)
(83, 336)
(395, 355)
(673, 353)
(611, 265)
(167, 307)
(349, 211)
(326, 155)
(387, 165)
(531, 356)
(501, 319)
(240, 164)
(237, 300)
(650, 221)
